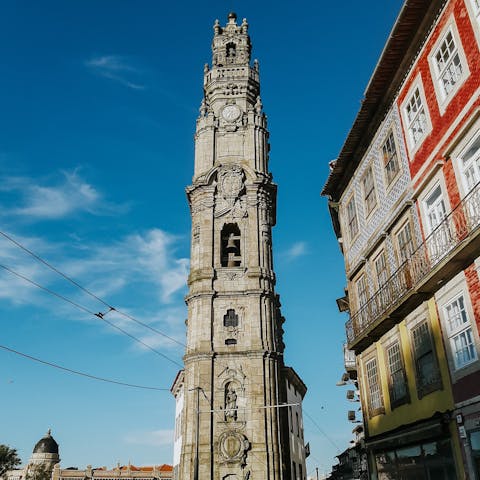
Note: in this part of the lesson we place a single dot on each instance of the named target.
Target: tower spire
(235, 381)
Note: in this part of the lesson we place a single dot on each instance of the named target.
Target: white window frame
(382, 274)
(476, 9)
(401, 255)
(439, 208)
(398, 362)
(439, 235)
(473, 164)
(434, 382)
(362, 296)
(473, 7)
(374, 386)
(414, 143)
(460, 330)
(440, 72)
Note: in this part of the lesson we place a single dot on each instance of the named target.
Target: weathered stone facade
(234, 382)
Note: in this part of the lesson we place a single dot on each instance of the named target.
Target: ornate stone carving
(233, 446)
(201, 204)
(231, 274)
(230, 181)
(229, 188)
(231, 89)
(230, 402)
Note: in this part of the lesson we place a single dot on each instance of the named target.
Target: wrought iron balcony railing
(454, 230)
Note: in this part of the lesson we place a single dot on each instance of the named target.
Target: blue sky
(96, 147)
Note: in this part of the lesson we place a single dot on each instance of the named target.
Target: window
(398, 385)
(362, 291)
(381, 269)
(375, 402)
(230, 252)
(230, 319)
(416, 118)
(390, 158)
(231, 50)
(369, 191)
(460, 333)
(405, 243)
(435, 208)
(362, 298)
(447, 65)
(352, 221)
(470, 164)
(436, 212)
(476, 9)
(428, 377)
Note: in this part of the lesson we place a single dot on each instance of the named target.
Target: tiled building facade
(404, 196)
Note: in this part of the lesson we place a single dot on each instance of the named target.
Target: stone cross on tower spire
(234, 425)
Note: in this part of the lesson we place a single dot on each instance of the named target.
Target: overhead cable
(99, 315)
(86, 290)
(320, 429)
(83, 374)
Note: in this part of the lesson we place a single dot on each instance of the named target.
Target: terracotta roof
(406, 38)
(148, 468)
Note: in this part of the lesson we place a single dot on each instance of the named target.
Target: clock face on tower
(230, 113)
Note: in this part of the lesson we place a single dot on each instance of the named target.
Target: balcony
(450, 248)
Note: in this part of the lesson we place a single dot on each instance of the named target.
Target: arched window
(231, 50)
(230, 251)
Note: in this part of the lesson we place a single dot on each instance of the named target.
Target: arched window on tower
(231, 50)
(230, 251)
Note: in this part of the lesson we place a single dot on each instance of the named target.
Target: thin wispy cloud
(298, 249)
(141, 258)
(50, 200)
(142, 269)
(116, 68)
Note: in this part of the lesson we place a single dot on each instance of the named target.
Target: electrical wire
(320, 429)
(112, 308)
(99, 315)
(45, 289)
(83, 374)
(85, 290)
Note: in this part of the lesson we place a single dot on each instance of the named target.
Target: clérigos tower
(235, 418)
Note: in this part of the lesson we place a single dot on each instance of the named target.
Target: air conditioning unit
(350, 394)
(351, 415)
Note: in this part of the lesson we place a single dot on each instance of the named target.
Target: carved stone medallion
(233, 447)
(230, 181)
(230, 186)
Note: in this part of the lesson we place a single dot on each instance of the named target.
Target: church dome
(47, 444)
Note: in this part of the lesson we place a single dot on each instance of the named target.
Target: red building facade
(404, 196)
(440, 112)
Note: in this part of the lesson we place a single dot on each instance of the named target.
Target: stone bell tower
(235, 424)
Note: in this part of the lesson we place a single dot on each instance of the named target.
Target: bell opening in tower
(230, 251)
